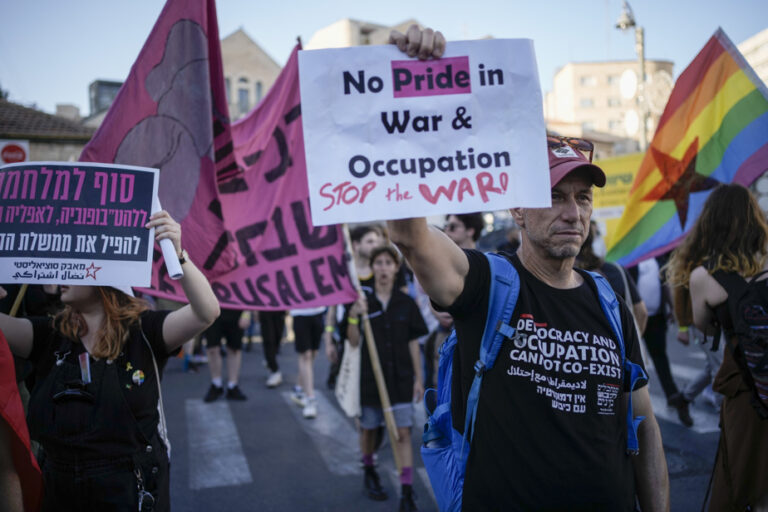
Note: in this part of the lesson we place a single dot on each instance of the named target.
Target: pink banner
(240, 192)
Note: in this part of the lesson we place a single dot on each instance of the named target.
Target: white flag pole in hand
(169, 251)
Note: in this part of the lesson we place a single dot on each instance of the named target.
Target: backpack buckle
(479, 368)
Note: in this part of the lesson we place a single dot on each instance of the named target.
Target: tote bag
(348, 382)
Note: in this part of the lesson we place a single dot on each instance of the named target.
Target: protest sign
(76, 223)
(387, 137)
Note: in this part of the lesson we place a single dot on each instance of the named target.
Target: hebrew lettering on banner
(283, 261)
(239, 191)
(75, 223)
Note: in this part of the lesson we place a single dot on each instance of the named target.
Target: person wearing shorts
(397, 324)
(227, 326)
(308, 327)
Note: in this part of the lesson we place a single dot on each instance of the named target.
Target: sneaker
(310, 410)
(235, 394)
(684, 415)
(298, 397)
(214, 392)
(408, 500)
(373, 485)
(274, 379)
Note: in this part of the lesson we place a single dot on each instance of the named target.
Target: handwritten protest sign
(387, 137)
(76, 223)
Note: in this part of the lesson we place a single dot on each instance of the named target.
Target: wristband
(683, 328)
(329, 328)
(353, 321)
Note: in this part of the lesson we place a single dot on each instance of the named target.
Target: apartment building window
(259, 89)
(615, 125)
(243, 100)
(586, 102)
(613, 79)
(243, 96)
(614, 102)
(588, 126)
(226, 89)
(588, 81)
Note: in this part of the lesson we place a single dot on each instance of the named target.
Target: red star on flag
(91, 271)
(680, 179)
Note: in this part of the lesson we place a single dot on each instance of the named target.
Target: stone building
(348, 32)
(248, 72)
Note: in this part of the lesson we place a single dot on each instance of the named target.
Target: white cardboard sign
(388, 137)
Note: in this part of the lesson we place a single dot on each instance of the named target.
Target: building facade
(249, 72)
(348, 32)
(51, 138)
(604, 98)
(755, 50)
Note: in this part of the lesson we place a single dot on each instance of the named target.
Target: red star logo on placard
(679, 179)
(91, 271)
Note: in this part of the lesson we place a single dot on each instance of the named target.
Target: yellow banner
(609, 201)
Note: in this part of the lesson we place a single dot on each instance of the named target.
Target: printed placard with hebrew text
(76, 223)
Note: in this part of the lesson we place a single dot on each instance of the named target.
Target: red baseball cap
(565, 159)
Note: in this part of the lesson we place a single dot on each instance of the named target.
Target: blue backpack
(445, 450)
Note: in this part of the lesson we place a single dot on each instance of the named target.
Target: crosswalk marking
(332, 434)
(216, 457)
(705, 418)
(337, 441)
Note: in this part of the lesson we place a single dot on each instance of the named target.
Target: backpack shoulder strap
(504, 291)
(610, 307)
(733, 283)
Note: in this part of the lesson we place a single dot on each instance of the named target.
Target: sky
(50, 50)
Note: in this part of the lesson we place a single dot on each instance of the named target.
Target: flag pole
(386, 406)
(19, 298)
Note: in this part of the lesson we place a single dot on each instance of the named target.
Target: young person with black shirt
(550, 431)
(396, 323)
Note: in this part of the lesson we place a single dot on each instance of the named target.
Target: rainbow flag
(714, 130)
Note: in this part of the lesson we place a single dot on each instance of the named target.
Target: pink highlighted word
(431, 77)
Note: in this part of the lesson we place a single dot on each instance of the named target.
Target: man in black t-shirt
(550, 432)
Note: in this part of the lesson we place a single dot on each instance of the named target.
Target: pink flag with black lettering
(242, 222)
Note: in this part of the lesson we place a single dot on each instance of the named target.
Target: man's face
(558, 232)
(369, 242)
(457, 231)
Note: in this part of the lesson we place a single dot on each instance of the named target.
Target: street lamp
(625, 22)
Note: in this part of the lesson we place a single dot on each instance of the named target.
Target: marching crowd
(564, 420)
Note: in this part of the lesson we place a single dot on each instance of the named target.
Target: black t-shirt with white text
(551, 426)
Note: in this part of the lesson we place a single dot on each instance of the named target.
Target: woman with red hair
(94, 407)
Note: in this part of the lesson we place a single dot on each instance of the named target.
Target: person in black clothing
(618, 277)
(659, 301)
(549, 434)
(272, 324)
(396, 323)
(229, 327)
(94, 408)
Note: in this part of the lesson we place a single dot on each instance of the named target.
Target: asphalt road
(262, 455)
